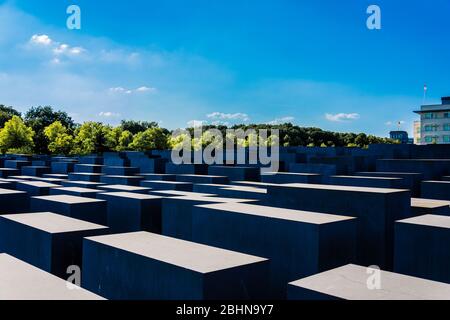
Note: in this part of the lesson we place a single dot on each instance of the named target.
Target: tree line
(42, 130)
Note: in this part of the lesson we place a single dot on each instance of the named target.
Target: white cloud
(109, 114)
(145, 89)
(196, 123)
(281, 120)
(42, 39)
(228, 116)
(55, 49)
(122, 90)
(340, 117)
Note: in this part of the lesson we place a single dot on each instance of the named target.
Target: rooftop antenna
(425, 89)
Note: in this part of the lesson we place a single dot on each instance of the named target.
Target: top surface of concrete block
(68, 199)
(429, 220)
(246, 189)
(390, 173)
(278, 213)
(52, 223)
(122, 187)
(189, 255)
(350, 282)
(290, 174)
(79, 189)
(39, 184)
(369, 178)
(8, 192)
(161, 182)
(178, 193)
(428, 203)
(212, 199)
(444, 183)
(342, 188)
(200, 175)
(131, 195)
(21, 281)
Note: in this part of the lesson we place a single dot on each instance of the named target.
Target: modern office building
(435, 123)
(417, 132)
(401, 136)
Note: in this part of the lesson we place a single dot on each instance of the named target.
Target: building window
(429, 115)
(446, 115)
(431, 139)
(446, 139)
(447, 127)
(431, 127)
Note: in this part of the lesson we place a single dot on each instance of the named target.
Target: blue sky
(313, 63)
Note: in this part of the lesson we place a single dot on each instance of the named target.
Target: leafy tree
(38, 118)
(118, 139)
(16, 135)
(150, 139)
(137, 126)
(126, 138)
(90, 138)
(60, 141)
(6, 114)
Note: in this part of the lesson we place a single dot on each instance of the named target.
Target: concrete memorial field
(332, 223)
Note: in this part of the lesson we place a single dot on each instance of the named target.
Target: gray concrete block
(46, 240)
(82, 184)
(82, 176)
(236, 173)
(421, 247)
(62, 167)
(22, 281)
(198, 178)
(158, 176)
(439, 190)
(12, 201)
(36, 171)
(124, 188)
(362, 181)
(120, 171)
(35, 188)
(410, 180)
(89, 168)
(128, 212)
(124, 180)
(76, 191)
(16, 164)
(290, 177)
(177, 213)
(232, 191)
(350, 283)
(87, 209)
(114, 267)
(6, 172)
(375, 208)
(172, 168)
(298, 243)
(167, 185)
(431, 169)
(421, 206)
(177, 193)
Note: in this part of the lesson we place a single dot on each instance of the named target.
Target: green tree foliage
(60, 141)
(150, 139)
(91, 138)
(137, 126)
(16, 136)
(6, 114)
(118, 139)
(38, 118)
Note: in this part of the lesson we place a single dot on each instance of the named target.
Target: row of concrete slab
(187, 235)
